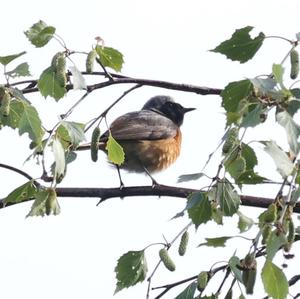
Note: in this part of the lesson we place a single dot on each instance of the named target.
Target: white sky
(73, 255)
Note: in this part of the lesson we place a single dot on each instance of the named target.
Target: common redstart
(151, 137)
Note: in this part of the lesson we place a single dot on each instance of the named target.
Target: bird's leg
(154, 182)
(120, 178)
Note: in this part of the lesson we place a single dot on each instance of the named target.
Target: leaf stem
(280, 37)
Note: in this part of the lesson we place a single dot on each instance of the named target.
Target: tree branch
(159, 190)
(120, 79)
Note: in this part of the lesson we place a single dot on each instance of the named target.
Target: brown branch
(159, 190)
(294, 279)
(119, 79)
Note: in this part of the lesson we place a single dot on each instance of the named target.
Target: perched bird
(151, 137)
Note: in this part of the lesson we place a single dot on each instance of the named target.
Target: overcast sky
(74, 254)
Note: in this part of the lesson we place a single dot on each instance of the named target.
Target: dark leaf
(199, 208)
(241, 47)
(234, 263)
(188, 292)
(5, 60)
(253, 117)
(22, 70)
(40, 34)
(22, 193)
(227, 197)
(234, 92)
(131, 269)
(189, 177)
(215, 242)
(24, 117)
(275, 242)
(50, 85)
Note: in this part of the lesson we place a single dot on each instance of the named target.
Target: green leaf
(5, 60)
(131, 269)
(217, 216)
(215, 242)
(234, 264)
(293, 106)
(278, 71)
(263, 87)
(249, 155)
(292, 130)
(284, 165)
(70, 133)
(50, 85)
(240, 47)
(30, 123)
(188, 292)
(295, 92)
(59, 158)
(199, 208)
(245, 223)
(22, 193)
(275, 242)
(295, 195)
(189, 177)
(250, 177)
(78, 79)
(234, 92)
(38, 207)
(40, 34)
(274, 281)
(116, 153)
(227, 197)
(24, 117)
(18, 94)
(110, 57)
(236, 167)
(22, 70)
(13, 119)
(253, 117)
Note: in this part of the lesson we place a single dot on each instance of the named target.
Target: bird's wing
(141, 125)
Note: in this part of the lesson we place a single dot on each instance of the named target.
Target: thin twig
(19, 171)
(156, 267)
(224, 279)
(107, 74)
(103, 114)
(65, 116)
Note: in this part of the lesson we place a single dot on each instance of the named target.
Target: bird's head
(166, 106)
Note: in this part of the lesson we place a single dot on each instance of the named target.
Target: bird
(151, 137)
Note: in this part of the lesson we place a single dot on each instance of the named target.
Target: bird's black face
(167, 107)
(174, 111)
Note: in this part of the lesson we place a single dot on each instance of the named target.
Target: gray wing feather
(142, 125)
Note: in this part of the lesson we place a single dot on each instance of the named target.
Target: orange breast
(155, 155)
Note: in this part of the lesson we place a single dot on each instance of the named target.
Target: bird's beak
(185, 110)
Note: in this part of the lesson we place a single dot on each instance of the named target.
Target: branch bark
(159, 190)
(120, 79)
